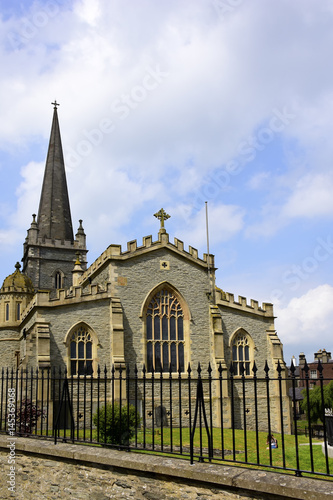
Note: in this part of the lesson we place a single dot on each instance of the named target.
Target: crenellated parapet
(115, 252)
(54, 243)
(68, 296)
(228, 299)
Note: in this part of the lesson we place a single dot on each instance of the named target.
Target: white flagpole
(208, 259)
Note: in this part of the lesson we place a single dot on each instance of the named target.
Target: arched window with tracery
(81, 351)
(242, 353)
(165, 333)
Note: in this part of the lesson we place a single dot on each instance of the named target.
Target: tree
(115, 424)
(316, 401)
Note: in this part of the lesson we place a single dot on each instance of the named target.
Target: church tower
(50, 250)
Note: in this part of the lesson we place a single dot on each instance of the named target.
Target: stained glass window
(165, 334)
(81, 352)
(241, 354)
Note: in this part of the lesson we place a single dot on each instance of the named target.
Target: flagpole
(208, 259)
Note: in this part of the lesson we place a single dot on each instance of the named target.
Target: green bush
(120, 423)
(316, 403)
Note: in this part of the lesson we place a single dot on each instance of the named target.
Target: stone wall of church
(50, 260)
(137, 277)
(96, 314)
(9, 344)
(256, 326)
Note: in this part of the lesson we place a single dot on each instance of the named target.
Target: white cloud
(307, 321)
(219, 90)
(88, 10)
(259, 181)
(312, 197)
(224, 222)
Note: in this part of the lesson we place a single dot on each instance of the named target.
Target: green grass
(235, 442)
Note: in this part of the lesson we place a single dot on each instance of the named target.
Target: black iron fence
(199, 415)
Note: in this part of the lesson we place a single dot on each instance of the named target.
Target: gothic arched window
(81, 352)
(58, 280)
(241, 353)
(165, 333)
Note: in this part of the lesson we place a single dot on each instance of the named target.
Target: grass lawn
(255, 452)
(235, 450)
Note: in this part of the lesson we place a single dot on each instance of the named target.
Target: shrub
(27, 415)
(118, 422)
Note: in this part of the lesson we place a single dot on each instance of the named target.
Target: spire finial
(77, 258)
(162, 216)
(55, 104)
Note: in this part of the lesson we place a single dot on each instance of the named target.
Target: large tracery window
(165, 333)
(81, 352)
(241, 354)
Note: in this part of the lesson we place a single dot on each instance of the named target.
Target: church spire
(54, 215)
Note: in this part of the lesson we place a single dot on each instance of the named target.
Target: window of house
(241, 354)
(313, 373)
(58, 280)
(165, 333)
(81, 355)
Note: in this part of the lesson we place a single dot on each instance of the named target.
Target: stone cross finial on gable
(161, 215)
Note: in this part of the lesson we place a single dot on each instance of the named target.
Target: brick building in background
(327, 368)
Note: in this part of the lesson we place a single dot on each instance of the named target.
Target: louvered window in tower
(57, 280)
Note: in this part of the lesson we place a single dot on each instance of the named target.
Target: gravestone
(161, 416)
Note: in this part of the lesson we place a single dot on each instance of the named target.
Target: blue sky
(173, 104)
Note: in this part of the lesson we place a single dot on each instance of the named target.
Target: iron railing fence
(199, 415)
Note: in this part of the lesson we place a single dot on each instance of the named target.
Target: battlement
(163, 240)
(114, 252)
(58, 243)
(67, 296)
(228, 299)
(55, 243)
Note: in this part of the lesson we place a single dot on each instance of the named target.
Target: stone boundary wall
(257, 483)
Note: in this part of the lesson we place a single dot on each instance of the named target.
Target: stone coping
(256, 481)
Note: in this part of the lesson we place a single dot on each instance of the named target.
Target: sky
(171, 104)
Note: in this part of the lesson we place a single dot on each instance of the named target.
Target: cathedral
(153, 304)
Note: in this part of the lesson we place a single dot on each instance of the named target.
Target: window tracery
(165, 333)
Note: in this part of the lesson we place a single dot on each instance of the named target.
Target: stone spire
(54, 216)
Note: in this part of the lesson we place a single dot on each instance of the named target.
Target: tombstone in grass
(161, 416)
(329, 433)
(329, 425)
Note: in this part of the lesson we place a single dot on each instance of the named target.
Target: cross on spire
(55, 104)
(161, 215)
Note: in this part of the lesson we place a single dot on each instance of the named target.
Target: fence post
(321, 378)
(306, 370)
(200, 407)
(65, 396)
(293, 380)
(279, 370)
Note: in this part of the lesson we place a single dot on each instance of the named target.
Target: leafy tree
(316, 402)
(118, 422)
